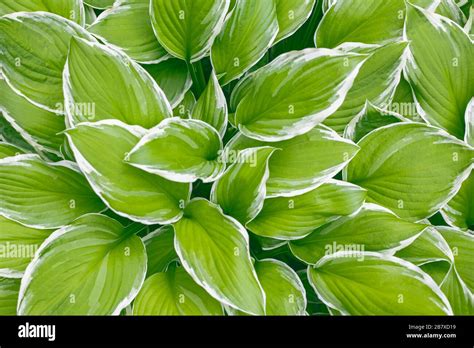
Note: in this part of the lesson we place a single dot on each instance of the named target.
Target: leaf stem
(199, 79)
(133, 228)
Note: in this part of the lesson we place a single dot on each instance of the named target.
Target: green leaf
(10, 135)
(94, 257)
(296, 217)
(174, 292)
(437, 270)
(70, 9)
(462, 246)
(214, 250)
(180, 150)
(9, 289)
(186, 106)
(285, 294)
(403, 102)
(99, 4)
(440, 69)
(292, 14)
(373, 228)
(469, 137)
(459, 211)
(128, 191)
(375, 284)
(240, 192)
(368, 21)
(173, 77)
(160, 249)
(128, 27)
(31, 189)
(248, 33)
(211, 106)
(369, 119)
(18, 245)
(40, 128)
(451, 10)
(90, 15)
(33, 53)
(187, 28)
(9, 150)
(274, 107)
(429, 247)
(410, 168)
(376, 82)
(304, 162)
(125, 92)
(460, 297)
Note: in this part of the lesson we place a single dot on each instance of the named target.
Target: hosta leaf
(296, 217)
(291, 15)
(70, 9)
(128, 191)
(9, 150)
(440, 69)
(459, 296)
(248, 32)
(90, 15)
(187, 28)
(94, 257)
(285, 294)
(437, 270)
(410, 168)
(174, 292)
(33, 53)
(403, 102)
(9, 289)
(469, 136)
(240, 192)
(129, 27)
(295, 92)
(173, 77)
(126, 92)
(180, 150)
(214, 250)
(99, 4)
(368, 21)
(373, 228)
(160, 249)
(39, 127)
(18, 245)
(10, 135)
(31, 189)
(459, 211)
(462, 246)
(369, 119)
(430, 246)
(211, 106)
(186, 106)
(375, 284)
(376, 82)
(304, 162)
(451, 10)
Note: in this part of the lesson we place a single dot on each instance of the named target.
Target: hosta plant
(236, 157)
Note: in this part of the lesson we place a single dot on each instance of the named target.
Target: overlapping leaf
(180, 150)
(94, 257)
(129, 191)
